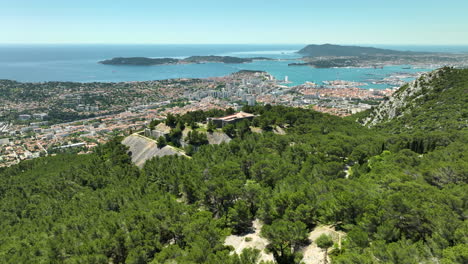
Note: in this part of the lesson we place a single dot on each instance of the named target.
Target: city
(97, 112)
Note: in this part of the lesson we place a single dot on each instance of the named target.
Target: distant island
(143, 61)
(337, 56)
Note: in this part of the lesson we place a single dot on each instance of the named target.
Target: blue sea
(79, 63)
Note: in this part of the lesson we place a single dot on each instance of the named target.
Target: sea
(79, 63)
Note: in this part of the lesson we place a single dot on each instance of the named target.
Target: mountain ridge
(325, 50)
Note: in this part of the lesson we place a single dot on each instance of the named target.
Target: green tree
(210, 127)
(249, 256)
(285, 237)
(171, 120)
(193, 125)
(154, 123)
(324, 242)
(197, 138)
(240, 217)
(230, 130)
(243, 127)
(175, 135)
(162, 142)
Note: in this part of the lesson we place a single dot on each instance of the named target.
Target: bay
(79, 63)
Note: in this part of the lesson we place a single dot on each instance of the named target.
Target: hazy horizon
(236, 44)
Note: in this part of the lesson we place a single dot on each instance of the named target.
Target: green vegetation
(337, 50)
(196, 138)
(285, 238)
(440, 105)
(403, 202)
(142, 61)
(210, 127)
(324, 242)
(162, 142)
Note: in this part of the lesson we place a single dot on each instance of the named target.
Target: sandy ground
(312, 253)
(277, 130)
(239, 243)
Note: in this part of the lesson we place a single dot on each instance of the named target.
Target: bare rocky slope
(143, 149)
(426, 102)
(397, 104)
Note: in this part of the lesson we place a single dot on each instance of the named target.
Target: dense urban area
(40, 119)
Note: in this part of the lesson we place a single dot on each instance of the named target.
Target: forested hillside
(400, 198)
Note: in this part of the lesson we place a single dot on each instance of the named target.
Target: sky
(417, 22)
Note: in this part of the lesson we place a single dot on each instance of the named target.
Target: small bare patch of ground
(218, 138)
(279, 131)
(163, 128)
(256, 130)
(252, 240)
(312, 253)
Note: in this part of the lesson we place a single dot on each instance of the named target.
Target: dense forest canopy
(399, 197)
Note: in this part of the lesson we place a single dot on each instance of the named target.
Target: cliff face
(403, 100)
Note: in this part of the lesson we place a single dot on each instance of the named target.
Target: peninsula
(337, 56)
(144, 61)
(329, 50)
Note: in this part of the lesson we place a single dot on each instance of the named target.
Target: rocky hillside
(436, 101)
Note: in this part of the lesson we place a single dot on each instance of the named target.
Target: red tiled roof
(235, 116)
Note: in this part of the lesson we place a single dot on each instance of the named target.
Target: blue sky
(428, 22)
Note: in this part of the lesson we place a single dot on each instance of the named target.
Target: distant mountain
(338, 50)
(436, 101)
(143, 61)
